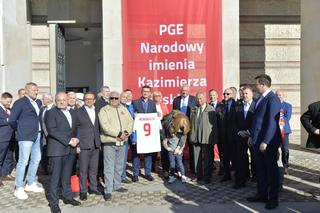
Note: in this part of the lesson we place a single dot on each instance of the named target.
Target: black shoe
(95, 192)
(121, 190)
(126, 181)
(239, 186)
(225, 178)
(271, 204)
(107, 197)
(149, 178)
(256, 199)
(72, 202)
(83, 196)
(55, 208)
(135, 179)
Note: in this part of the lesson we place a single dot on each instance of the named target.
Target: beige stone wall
(270, 43)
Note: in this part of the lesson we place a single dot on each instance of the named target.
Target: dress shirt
(92, 113)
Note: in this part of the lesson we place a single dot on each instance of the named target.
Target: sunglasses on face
(114, 98)
(226, 93)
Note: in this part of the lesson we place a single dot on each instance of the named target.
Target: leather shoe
(135, 179)
(55, 208)
(107, 197)
(96, 192)
(72, 202)
(149, 178)
(121, 190)
(256, 199)
(8, 178)
(271, 204)
(225, 178)
(83, 196)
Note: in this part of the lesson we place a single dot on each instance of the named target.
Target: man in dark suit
(104, 99)
(25, 118)
(143, 105)
(265, 137)
(286, 109)
(89, 137)
(184, 103)
(225, 112)
(311, 122)
(243, 118)
(62, 141)
(6, 135)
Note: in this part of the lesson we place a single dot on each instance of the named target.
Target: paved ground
(301, 193)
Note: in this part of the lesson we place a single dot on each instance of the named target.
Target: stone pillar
(230, 43)
(112, 44)
(310, 55)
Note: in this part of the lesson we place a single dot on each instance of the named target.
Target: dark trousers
(267, 169)
(191, 158)
(220, 155)
(164, 159)
(9, 162)
(45, 160)
(227, 149)
(203, 154)
(88, 160)
(242, 158)
(136, 162)
(285, 151)
(4, 146)
(61, 173)
(252, 163)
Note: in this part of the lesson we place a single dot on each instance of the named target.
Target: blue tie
(184, 106)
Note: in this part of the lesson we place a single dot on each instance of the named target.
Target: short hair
(127, 90)
(213, 90)
(47, 95)
(157, 92)
(89, 93)
(61, 93)
(234, 89)
(6, 95)
(247, 87)
(104, 87)
(200, 93)
(184, 85)
(31, 84)
(21, 89)
(115, 92)
(71, 93)
(146, 86)
(264, 79)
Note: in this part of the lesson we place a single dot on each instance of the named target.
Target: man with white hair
(104, 100)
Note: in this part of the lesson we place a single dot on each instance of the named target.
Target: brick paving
(301, 185)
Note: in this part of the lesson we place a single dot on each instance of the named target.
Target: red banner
(169, 43)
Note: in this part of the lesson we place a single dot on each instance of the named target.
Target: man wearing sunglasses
(116, 126)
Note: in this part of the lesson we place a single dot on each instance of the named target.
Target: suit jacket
(225, 120)
(44, 109)
(242, 123)
(6, 132)
(88, 133)
(287, 116)
(60, 132)
(192, 102)
(101, 102)
(265, 124)
(25, 120)
(138, 107)
(311, 122)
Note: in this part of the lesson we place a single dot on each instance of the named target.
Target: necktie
(8, 112)
(184, 105)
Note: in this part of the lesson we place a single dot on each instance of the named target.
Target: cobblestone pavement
(301, 185)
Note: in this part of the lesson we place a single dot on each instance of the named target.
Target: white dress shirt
(92, 113)
(68, 116)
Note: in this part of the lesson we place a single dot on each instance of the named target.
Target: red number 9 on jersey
(147, 129)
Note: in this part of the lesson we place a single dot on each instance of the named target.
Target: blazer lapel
(86, 114)
(65, 118)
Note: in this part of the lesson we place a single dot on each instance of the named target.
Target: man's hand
(263, 147)
(250, 142)
(78, 150)
(165, 142)
(177, 151)
(74, 142)
(317, 132)
(243, 134)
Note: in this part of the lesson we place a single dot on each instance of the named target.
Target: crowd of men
(91, 136)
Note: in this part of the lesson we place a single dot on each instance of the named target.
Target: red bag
(75, 183)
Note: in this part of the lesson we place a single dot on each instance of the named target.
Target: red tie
(8, 112)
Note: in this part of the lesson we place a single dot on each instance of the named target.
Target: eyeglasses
(226, 93)
(114, 98)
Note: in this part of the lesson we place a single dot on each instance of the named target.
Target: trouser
(136, 162)
(227, 155)
(164, 159)
(88, 162)
(61, 173)
(4, 147)
(176, 160)
(267, 169)
(242, 158)
(203, 154)
(124, 172)
(32, 150)
(285, 151)
(113, 157)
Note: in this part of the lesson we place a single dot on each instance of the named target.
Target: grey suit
(88, 134)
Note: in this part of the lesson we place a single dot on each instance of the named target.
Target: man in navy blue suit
(143, 105)
(265, 137)
(25, 118)
(6, 136)
(287, 111)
